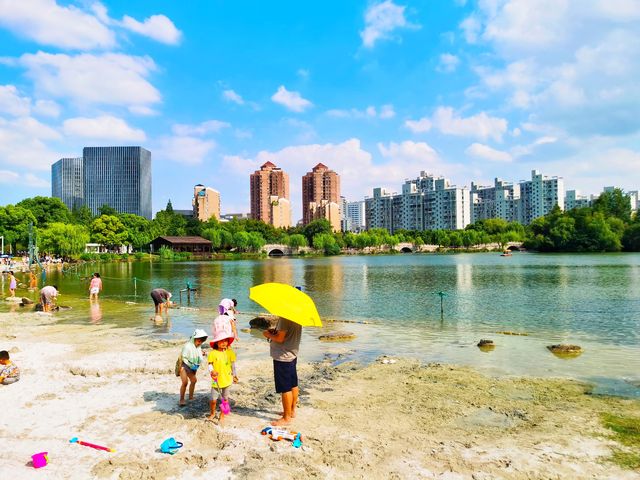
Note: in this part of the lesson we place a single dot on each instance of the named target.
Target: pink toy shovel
(40, 460)
(224, 404)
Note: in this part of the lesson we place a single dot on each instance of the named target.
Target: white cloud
(46, 108)
(381, 19)
(386, 112)
(10, 177)
(104, 127)
(487, 153)
(291, 100)
(480, 126)
(47, 23)
(185, 150)
(303, 73)
(12, 103)
(414, 150)
(419, 126)
(204, 128)
(232, 96)
(110, 78)
(471, 27)
(523, 150)
(142, 110)
(571, 61)
(448, 63)
(156, 27)
(23, 142)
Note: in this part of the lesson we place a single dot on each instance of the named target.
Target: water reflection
(95, 312)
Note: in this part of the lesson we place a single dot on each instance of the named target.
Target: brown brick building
(269, 189)
(321, 196)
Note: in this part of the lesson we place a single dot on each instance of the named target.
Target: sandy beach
(115, 387)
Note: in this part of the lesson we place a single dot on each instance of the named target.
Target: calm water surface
(591, 300)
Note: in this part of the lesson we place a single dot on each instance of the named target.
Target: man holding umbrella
(295, 309)
(285, 343)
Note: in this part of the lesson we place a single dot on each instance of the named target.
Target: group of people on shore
(221, 361)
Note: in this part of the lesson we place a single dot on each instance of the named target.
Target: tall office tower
(66, 182)
(321, 196)
(497, 201)
(538, 196)
(119, 177)
(206, 203)
(378, 209)
(573, 199)
(269, 189)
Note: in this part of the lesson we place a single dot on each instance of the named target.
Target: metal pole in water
(135, 286)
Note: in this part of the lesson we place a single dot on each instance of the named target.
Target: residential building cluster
(121, 178)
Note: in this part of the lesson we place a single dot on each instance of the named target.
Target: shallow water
(591, 300)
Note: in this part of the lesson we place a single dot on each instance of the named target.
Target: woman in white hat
(191, 357)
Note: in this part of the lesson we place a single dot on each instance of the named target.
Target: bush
(88, 257)
(139, 255)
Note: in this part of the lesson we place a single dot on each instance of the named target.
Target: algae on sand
(627, 432)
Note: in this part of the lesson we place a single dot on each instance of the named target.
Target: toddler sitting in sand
(9, 371)
(222, 368)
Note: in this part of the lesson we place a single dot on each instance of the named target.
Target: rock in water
(486, 345)
(565, 351)
(337, 337)
(26, 301)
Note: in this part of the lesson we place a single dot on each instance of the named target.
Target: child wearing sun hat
(222, 367)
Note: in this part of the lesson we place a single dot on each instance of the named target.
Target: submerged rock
(26, 301)
(486, 345)
(504, 332)
(564, 350)
(337, 337)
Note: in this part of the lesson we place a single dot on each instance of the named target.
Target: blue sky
(376, 90)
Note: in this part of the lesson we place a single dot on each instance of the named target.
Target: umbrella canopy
(287, 302)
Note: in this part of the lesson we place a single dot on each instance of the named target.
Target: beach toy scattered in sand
(40, 460)
(278, 433)
(170, 446)
(92, 445)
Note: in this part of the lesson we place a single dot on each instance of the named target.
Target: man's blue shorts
(285, 375)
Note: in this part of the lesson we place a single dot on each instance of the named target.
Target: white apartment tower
(538, 196)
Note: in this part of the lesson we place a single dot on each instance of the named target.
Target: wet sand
(115, 387)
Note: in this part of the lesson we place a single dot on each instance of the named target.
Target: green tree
(241, 241)
(169, 223)
(63, 238)
(107, 209)
(14, 225)
(316, 227)
(256, 241)
(109, 231)
(46, 210)
(631, 238)
(139, 232)
(169, 207)
(327, 243)
(296, 241)
(82, 216)
(614, 203)
(214, 236)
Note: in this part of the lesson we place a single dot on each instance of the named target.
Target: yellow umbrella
(287, 302)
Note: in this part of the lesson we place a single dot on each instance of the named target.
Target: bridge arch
(406, 250)
(275, 252)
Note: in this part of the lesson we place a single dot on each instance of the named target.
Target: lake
(592, 300)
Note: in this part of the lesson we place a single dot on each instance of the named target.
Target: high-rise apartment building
(356, 216)
(119, 177)
(426, 203)
(573, 199)
(67, 183)
(206, 203)
(497, 201)
(538, 196)
(321, 196)
(269, 191)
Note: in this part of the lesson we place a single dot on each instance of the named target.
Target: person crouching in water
(222, 367)
(191, 357)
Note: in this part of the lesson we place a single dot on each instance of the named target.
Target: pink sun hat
(222, 329)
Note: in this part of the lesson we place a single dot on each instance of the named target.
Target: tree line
(606, 226)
